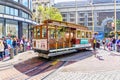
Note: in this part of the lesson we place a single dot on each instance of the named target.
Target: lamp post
(76, 11)
(91, 4)
(92, 15)
(115, 18)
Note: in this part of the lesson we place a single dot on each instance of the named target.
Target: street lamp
(115, 17)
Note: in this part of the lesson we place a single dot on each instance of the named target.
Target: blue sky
(66, 0)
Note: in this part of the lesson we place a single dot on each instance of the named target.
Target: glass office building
(16, 18)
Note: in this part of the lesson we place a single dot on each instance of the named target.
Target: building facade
(36, 15)
(16, 18)
(99, 14)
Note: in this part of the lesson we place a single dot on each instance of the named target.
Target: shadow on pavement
(38, 65)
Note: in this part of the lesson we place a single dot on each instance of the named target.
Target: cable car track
(38, 70)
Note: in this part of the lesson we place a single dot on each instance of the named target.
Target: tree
(118, 24)
(49, 13)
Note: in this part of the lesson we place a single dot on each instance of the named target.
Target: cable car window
(38, 33)
(78, 34)
(87, 36)
(52, 33)
(83, 34)
(44, 32)
(90, 35)
(35, 33)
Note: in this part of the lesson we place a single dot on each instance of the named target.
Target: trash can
(11, 53)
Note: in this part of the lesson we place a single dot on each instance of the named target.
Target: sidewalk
(91, 68)
(18, 58)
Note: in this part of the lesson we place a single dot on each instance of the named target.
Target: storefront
(16, 18)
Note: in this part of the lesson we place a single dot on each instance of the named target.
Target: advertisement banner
(41, 44)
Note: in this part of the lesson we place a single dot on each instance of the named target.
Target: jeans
(6, 52)
(1, 55)
(113, 47)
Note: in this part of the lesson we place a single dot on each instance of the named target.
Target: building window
(25, 30)
(72, 20)
(2, 28)
(15, 0)
(64, 19)
(25, 2)
(82, 19)
(81, 14)
(72, 15)
(12, 11)
(16, 12)
(7, 10)
(1, 9)
(30, 5)
(64, 15)
(81, 23)
(12, 27)
(30, 17)
(25, 15)
(89, 24)
(89, 19)
(89, 14)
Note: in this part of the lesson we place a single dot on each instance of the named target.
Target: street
(76, 66)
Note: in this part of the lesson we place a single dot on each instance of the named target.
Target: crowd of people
(8, 44)
(110, 44)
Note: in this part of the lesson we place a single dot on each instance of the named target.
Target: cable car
(54, 38)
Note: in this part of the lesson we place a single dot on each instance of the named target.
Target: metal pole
(92, 16)
(76, 11)
(115, 17)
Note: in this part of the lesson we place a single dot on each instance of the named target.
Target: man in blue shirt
(9, 42)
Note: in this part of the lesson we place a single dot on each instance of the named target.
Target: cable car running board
(62, 52)
(63, 49)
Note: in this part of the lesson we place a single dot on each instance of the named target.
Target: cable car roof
(65, 24)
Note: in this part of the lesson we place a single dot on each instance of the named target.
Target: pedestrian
(21, 45)
(1, 49)
(98, 44)
(107, 41)
(6, 51)
(28, 45)
(118, 45)
(14, 44)
(94, 44)
(104, 43)
(113, 43)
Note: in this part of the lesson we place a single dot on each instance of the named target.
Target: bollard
(11, 53)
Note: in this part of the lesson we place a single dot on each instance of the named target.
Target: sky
(56, 1)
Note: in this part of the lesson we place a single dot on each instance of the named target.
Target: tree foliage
(49, 13)
(118, 24)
